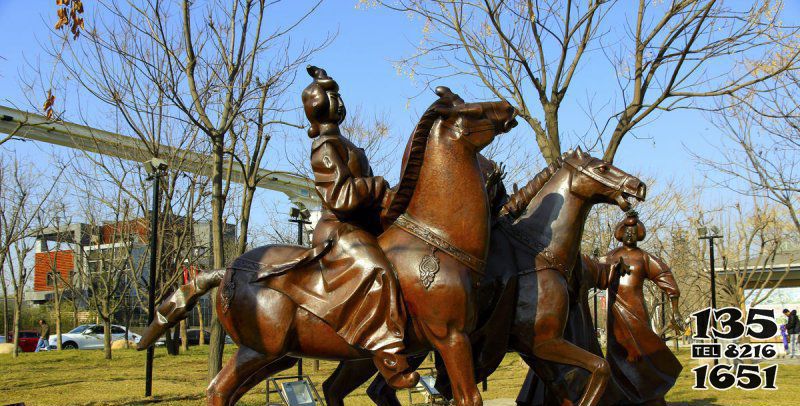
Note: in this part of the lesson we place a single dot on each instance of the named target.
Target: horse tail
(178, 305)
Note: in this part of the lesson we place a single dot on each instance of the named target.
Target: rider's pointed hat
(317, 101)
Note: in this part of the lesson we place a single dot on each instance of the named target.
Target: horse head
(598, 181)
(475, 123)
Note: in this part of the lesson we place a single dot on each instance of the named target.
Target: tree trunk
(202, 335)
(58, 327)
(184, 337)
(5, 295)
(170, 341)
(107, 336)
(57, 297)
(128, 316)
(553, 135)
(74, 311)
(244, 222)
(5, 313)
(15, 338)
(217, 342)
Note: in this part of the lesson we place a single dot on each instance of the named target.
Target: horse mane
(519, 201)
(413, 158)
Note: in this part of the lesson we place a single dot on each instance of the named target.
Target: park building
(70, 257)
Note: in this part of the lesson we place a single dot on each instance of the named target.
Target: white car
(90, 337)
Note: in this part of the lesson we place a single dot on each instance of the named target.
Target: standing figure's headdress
(631, 220)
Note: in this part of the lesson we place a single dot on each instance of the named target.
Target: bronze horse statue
(524, 295)
(437, 244)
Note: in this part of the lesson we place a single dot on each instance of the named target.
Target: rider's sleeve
(661, 275)
(342, 191)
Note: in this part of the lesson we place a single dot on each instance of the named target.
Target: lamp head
(155, 166)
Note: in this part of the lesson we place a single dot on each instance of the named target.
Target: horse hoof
(404, 380)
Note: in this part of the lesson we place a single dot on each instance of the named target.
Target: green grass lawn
(86, 378)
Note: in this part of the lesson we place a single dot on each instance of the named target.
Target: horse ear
(443, 91)
(579, 153)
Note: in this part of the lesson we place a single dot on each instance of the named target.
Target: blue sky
(360, 60)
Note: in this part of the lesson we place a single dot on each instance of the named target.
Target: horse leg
(237, 371)
(382, 394)
(347, 377)
(262, 374)
(548, 341)
(456, 351)
(545, 373)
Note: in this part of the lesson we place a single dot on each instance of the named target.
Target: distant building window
(52, 277)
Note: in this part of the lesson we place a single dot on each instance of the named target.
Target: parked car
(90, 337)
(27, 340)
(193, 336)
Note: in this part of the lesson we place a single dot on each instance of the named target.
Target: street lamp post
(595, 253)
(705, 233)
(300, 217)
(155, 168)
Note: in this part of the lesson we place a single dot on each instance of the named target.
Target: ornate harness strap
(424, 233)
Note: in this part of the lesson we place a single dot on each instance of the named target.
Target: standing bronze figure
(642, 365)
(281, 302)
(643, 369)
(524, 295)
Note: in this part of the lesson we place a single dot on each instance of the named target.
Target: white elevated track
(299, 189)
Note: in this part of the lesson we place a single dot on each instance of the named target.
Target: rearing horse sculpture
(437, 245)
(524, 298)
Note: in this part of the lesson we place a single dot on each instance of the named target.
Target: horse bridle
(619, 187)
(474, 129)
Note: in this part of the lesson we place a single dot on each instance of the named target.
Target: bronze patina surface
(340, 299)
(524, 296)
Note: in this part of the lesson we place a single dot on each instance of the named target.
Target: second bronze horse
(524, 294)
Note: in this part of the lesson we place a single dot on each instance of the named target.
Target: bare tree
(216, 64)
(667, 55)
(20, 275)
(61, 285)
(761, 155)
(755, 238)
(116, 252)
(23, 200)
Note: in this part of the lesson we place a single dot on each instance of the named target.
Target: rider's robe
(642, 365)
(359, 296)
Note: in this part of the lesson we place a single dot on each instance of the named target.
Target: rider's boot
(394, 368)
